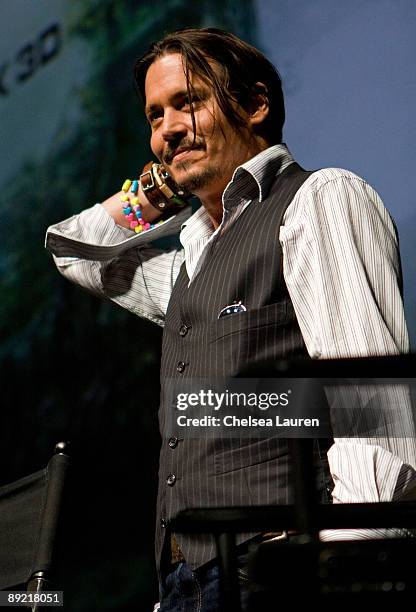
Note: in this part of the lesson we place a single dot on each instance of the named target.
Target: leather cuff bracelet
(160, 189)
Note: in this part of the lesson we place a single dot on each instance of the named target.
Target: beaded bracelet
(131, 207)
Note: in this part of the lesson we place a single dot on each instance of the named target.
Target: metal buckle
(147, 187)
(282, 536)
(275, 538)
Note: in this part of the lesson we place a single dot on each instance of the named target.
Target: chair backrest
(29, 515)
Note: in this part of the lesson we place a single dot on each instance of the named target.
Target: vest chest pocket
(250, 321)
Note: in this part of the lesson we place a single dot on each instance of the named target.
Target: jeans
(187, 590)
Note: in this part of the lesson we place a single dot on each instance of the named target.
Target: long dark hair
(237, 68)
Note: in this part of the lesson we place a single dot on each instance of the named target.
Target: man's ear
(259, 105)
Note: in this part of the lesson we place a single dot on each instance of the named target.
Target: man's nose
(173, 124)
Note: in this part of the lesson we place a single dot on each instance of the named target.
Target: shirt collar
(198, 225)
(254, 178)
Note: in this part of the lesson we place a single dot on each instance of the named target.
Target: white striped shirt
(340, 264)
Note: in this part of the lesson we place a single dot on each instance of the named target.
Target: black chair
(29, 517)
(326, 573)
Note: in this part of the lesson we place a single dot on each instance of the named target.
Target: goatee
(194, 181)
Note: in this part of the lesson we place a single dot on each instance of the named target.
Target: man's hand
(114, 207)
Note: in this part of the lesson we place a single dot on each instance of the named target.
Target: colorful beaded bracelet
(131, 207)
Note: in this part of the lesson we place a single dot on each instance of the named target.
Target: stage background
(71, 128)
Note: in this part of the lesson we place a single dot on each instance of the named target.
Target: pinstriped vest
(245, 264)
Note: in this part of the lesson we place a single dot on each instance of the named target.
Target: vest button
(180, 367)
(173, 442)
(164, 523)
(171, 479)
(183, 330)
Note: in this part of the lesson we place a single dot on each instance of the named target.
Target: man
(311, 260)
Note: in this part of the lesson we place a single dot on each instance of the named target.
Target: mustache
(186, 143)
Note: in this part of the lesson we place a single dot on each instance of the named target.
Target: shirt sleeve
(342, 269)
(91, 250)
